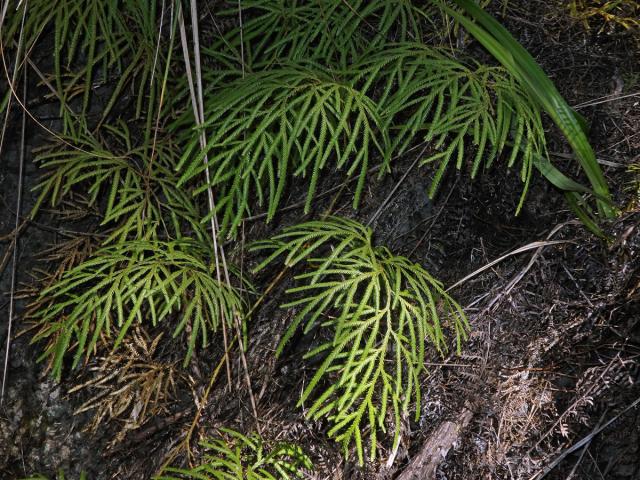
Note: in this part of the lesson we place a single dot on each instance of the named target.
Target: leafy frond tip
(244, 457)
(89, 42)
(381, 310)
(133, 189)
(291, 121)
(327, 31)
(473, 111)
(138, 281)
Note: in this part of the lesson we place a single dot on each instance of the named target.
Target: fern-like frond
(134, 282)
(476, 112)
(93, 42)
(135, 193)
(522, 66)
(332, 32)
(244, 457)
(381, 309)
(271, 126)
(59, 476)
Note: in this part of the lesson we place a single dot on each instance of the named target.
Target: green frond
(134, 282)
(59, 476)
(328, 31)
(543, 93)
(459, 109)
(93, 42)
(382, 311)
(135, 192)
(244, 457)
(271, 126)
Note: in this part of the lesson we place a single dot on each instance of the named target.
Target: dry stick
(236, 318)
(214, 218)
(436, 447)
(435, 219)
(584, 450)
(581, 443)
(605, 99)
(514, 281)
(395, 188)
(245, 368)
(14, 261)
(198, 106)
(600, 160)
(539, 245)
(525, 248)
(212, 208)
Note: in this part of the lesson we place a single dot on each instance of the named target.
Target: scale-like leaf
(380, 310)
(272, 126)
(246, 457)
(134, 282)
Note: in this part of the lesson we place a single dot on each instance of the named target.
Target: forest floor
(548, 385)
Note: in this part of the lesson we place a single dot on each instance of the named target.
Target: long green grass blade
(506, 49)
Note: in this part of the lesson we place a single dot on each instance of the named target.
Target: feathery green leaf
(381, 311)
(134, 282)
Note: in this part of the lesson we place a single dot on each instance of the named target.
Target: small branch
(539, 245)
(435, 449)
(395, 188)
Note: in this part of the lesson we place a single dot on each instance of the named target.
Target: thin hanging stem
(16, 68)
(196, 91)
(14, 93)
(14, 261)
(164, 81)
(237, 320)
(203, 141)
(241, 37)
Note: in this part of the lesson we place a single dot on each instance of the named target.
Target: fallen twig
(435, 449)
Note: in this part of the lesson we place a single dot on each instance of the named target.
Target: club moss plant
(202, 124)
(250, 457)
(382, 312)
